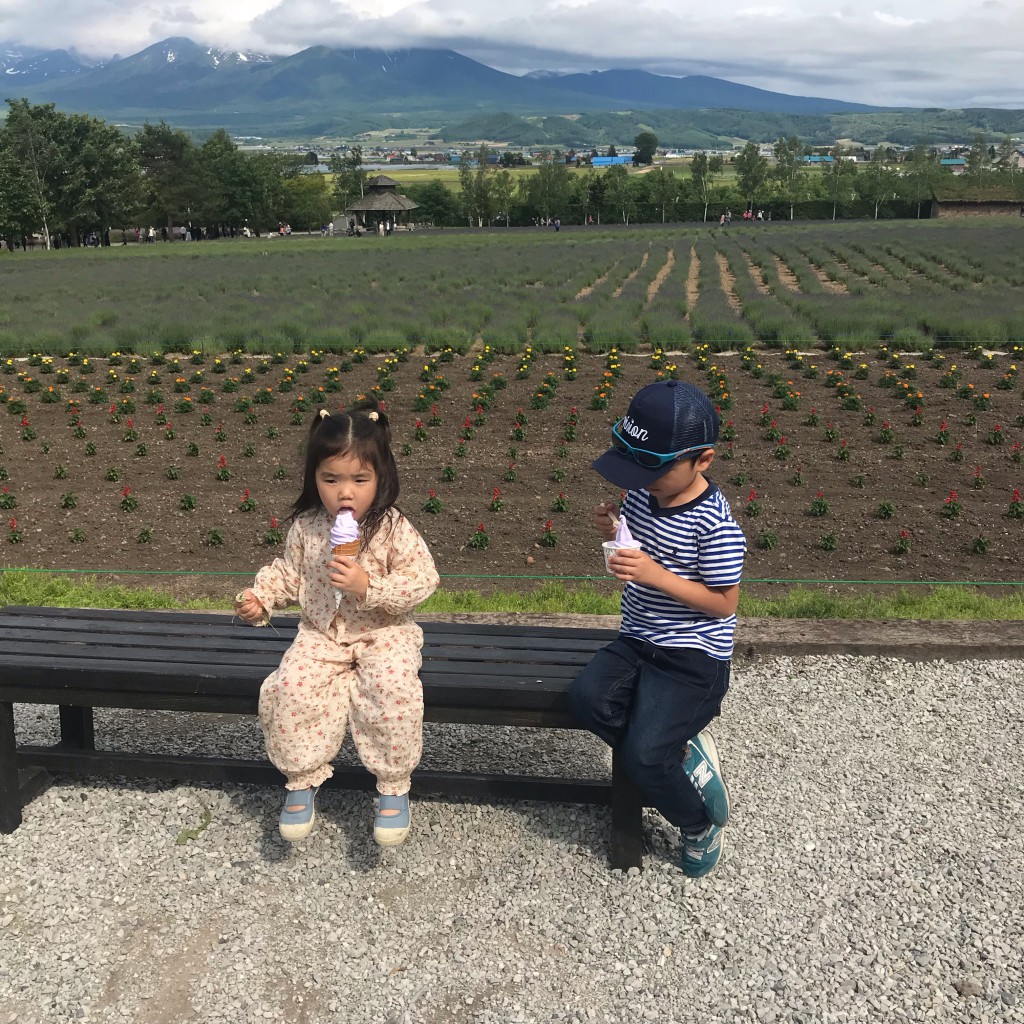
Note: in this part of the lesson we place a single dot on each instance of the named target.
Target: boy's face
(683, 482)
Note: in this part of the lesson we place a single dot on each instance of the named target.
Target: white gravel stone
(874, 871)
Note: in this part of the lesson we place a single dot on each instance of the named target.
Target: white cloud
(905, 52)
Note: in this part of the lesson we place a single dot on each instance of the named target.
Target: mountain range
(186, 82)
(322, 91)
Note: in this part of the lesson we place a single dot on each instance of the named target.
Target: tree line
(68, 175)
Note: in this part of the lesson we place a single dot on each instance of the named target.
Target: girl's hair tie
(372, 416)
(324, 414)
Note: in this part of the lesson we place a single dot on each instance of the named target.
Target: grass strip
(938, 602)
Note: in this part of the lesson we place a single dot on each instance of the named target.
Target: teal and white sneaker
(700, 853)
(703, 770)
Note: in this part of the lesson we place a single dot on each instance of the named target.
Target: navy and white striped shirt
(697, 541)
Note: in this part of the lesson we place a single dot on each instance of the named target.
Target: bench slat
(203, 650)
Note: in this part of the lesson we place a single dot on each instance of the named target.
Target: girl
(357, 652)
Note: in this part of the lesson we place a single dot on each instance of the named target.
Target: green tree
(751, 172)
(878, 184)
(19, 209)
(704, 170)
(1005, 160)
(789, 170)
(349, 178)
(548, 191)
(81, 173)
(483, 191)
(838, 175)
(172, 186)
(920, 173)
(619, 193)
(438, 205)
(664, 190)
(978, 160)
(307, 201)
(30, 149)
(645, 145)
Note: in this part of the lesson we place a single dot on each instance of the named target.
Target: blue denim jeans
(646, 701)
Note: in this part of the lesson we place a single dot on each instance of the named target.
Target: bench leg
(10, 791)
(76, 729)
(627, 848)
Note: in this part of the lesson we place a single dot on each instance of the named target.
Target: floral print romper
(352, 660)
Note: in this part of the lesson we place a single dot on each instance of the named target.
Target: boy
(652, 691)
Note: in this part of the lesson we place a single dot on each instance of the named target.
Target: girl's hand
(248, 608)
(631, 565)
(346, 574)
(605, 515)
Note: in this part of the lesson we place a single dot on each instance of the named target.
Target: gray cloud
(911, 52)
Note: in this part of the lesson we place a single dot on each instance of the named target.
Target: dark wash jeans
(646, 701)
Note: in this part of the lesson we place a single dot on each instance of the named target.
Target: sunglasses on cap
(649, 460)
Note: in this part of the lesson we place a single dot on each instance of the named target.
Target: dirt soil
(917, 485)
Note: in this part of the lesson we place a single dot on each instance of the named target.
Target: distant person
(357, 655)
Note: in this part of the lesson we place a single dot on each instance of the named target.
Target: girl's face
(344, 482)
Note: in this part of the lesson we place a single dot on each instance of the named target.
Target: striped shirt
(697, 541)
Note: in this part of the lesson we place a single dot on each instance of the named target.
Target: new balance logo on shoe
(702, 775)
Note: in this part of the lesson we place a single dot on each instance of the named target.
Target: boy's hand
(605, 515)
(348, 575)
(631, 565)
(247, 607)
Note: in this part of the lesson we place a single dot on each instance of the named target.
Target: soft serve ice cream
(623, 539)
(345, 534)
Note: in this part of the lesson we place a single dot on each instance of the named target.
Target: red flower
(222, 462)
(952, 497)
(126, 492)
(752, 496)
(273, 522)
(12, 522)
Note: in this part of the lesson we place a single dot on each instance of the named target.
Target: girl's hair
(364, 433)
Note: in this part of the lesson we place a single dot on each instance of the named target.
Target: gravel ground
(873, 871)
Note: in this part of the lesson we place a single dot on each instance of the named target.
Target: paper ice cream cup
(349, 548)
(610, 547)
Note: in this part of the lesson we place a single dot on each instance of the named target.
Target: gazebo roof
(381, 181)
(381, 202)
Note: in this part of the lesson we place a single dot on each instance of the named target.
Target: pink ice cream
(623, 537)
(345, 534)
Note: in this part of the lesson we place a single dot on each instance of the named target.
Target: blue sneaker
(700, 853)
(705, 773)
(296, 824)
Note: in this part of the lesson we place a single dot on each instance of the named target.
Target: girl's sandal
(296, 825)
(391, 829)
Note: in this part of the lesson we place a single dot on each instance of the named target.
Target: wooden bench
(80, 659)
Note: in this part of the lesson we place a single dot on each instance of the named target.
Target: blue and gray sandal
(295, 825)
(391, 829)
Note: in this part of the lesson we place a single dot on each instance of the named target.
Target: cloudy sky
(908, 52)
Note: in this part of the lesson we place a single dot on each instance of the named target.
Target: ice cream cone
(350, 548)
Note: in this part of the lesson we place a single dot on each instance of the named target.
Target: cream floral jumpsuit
(356, 660)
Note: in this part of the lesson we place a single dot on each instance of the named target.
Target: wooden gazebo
(383, 203)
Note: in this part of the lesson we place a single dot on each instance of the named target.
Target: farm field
(779, 285)
(872, 464)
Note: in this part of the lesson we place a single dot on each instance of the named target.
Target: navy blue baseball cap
(667, 420)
